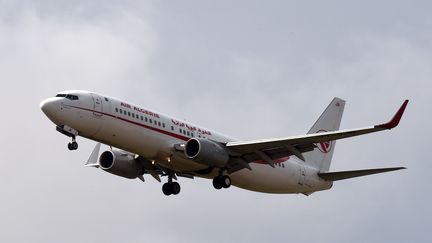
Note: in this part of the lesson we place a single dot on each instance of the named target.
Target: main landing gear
(221, 181)
(171, 188)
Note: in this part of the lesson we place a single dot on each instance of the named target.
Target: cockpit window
(71, 97)
(68, 96)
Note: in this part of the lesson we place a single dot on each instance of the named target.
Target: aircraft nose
(49, 106)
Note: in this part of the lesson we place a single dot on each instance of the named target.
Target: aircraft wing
(270, 149)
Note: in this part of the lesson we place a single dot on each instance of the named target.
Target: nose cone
(49, 107)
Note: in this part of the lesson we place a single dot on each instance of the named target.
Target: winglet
(396, 118)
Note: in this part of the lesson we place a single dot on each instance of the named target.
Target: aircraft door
(98, 106)
(302, 177)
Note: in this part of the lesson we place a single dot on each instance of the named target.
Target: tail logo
(324, 147)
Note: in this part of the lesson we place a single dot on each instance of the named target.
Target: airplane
(143, 142)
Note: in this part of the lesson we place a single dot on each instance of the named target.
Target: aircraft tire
(217, 183)
(175, 188)
(225, 181)
(74, 145)
(166, 189)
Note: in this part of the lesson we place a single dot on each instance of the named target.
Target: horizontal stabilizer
(342, 175)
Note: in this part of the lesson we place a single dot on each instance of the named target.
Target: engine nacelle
(206, 152)
(118, 163)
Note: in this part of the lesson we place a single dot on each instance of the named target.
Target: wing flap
(342, 175)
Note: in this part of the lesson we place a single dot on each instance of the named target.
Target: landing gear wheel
(217, 183)
(74, 145)
(225, 181)
(172, 188)
(175, 188)
(220, 182)
(166, 189)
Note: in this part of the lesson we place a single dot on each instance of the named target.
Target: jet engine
(121, 164)
(206, 152)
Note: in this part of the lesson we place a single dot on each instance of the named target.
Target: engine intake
(121, 164)
(206, 152)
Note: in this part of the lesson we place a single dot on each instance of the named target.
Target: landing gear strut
(221, 181)
(171, 188)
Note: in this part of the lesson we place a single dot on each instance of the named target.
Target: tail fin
(329, 120)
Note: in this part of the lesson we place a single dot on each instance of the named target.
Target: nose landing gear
(70, 132)
(73, 145)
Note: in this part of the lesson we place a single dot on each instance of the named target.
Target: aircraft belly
(264, 178)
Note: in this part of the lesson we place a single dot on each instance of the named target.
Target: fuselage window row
(143, 118)
(155, 122)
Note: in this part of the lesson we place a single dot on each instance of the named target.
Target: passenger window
(159, 124)
(192, 135)
(124, 112)
(142, 118)
(150, 120)
(145, 119)
(172, 128)
(188, 133)
(163, 125)
(116, 109)
(129, 114)
(133, 115)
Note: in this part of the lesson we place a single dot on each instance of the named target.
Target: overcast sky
(250, 69)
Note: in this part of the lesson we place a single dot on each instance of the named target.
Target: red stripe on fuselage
(136, 123)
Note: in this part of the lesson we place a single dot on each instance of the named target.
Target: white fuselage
(154, 136)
